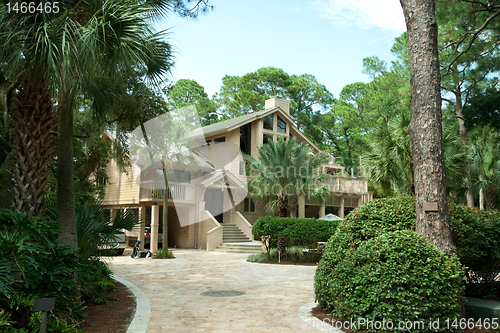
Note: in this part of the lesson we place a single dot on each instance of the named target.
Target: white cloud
(386, 14)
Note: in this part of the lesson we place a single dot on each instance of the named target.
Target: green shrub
(296, 231)
(397, 276)
(381, 215)
(35, 265)
(94, 278)
(476, 234)
(262, 257)
(163, 254)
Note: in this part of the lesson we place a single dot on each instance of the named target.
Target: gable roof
(233, 123)
(230, 124)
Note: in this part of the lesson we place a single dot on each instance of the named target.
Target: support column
(322, 210)
(302, 206)
(113, 212)
(341, 210)
(142, 226)
(155, 221)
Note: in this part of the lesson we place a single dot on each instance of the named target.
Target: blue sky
(324, 38)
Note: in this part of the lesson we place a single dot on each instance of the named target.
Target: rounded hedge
(297, 231)
(475, 233)
(397, 276)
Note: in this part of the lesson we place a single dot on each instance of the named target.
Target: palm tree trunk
(283, 206)
(166, 195)
(481, 196)
(34, 119)
(293, 206)
(470, 197)
(65, 173)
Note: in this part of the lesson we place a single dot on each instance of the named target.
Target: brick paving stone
(273, 293)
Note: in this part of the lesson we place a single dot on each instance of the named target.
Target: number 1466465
(32, 7)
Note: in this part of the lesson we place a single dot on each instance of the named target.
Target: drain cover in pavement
(222, 293)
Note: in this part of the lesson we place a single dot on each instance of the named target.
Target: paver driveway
(273, 293)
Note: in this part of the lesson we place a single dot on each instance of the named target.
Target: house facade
(202, 201)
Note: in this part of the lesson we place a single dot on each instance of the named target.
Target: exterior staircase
(234, 240)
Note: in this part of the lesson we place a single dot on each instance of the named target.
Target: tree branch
(474, 36)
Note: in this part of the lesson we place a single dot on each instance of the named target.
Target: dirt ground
(326, 317)
(113, 317)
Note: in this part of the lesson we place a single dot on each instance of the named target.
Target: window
(268, 122)
(221, 139)
(266, 137)
(245, 139)
(248, 205)
(207, 143)
(242, 168)
(281, 125)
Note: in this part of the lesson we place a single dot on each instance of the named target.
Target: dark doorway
(214, 203)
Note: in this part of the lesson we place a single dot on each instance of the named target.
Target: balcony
(152, 191)
(347, 185)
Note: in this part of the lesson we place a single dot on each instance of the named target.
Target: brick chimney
(275, 101)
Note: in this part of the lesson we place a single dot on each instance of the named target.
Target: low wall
(209, 232)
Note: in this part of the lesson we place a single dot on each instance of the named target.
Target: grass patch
(163, 254)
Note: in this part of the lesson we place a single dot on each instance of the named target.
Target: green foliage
(396, 276)
(94, 278)
(483, 108)
(293, 253)
(262, 257)
(298, 231)
(476, 234)
(283, 170)
(483, 153)
(378, 216)
(189, 92)
(241, 95)
(35, 265)
(95, 228)
(163, 254)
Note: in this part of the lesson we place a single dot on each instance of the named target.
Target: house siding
(121, 188)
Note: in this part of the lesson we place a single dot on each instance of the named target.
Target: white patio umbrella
(330, 217)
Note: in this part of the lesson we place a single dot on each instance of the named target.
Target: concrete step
(248, 247)
(235, 240)
(232, 234)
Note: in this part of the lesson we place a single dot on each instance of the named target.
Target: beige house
(198, 195)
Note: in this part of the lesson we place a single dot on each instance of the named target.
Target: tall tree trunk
(34, 119)
(425, 127)
(65, 172)
(459, 110)
(166, 194)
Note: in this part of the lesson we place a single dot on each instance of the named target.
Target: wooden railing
(154, 190)
(347, 185)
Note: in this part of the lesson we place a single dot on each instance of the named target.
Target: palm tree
(283, 170)
(388, 165)
(484, 154)
(77, 51)
(164, 143)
